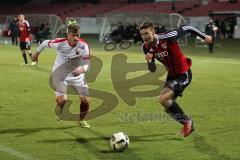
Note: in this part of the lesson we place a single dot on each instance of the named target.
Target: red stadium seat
(189, 8)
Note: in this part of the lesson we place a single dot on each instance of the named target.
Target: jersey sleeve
(181, 31)
(42, 46)
(54, 43)
(48, 44)
(85, 58)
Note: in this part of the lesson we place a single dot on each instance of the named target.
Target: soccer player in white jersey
(69, 49)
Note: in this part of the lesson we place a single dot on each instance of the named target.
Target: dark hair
(73, 28)
(145, 25)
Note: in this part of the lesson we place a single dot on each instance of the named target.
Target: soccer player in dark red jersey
(24, 38)
(164, 48)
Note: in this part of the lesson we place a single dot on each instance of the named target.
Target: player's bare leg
(84, 107)
(166, 98)
(60, 103)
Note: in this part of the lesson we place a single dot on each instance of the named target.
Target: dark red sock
(84, 107)
(61, 103)
(25, 58)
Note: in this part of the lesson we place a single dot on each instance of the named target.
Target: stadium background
(56, 13)
(28, 127)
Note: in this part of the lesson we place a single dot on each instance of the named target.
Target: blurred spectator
(14, 31)
(159, 28)
(229, 23)
(232, 25)
(216, 33)
(129, 31)
(223, 29)
(156, 28)
(209, 30)
(136, 35)
(118, 33)
(42, 32)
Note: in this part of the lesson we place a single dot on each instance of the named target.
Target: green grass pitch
(29, 129)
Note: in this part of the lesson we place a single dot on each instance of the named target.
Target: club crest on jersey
(151, 50)
(161, 54)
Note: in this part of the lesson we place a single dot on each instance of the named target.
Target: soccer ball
(119, 141)
(215, 29)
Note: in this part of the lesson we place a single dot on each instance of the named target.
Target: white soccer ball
(215, 28)
(119, 141)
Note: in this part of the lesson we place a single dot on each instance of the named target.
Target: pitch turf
(29, 129)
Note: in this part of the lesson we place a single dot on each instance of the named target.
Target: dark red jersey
(24, 31)
(167, 51)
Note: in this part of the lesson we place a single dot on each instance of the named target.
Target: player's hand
(78, 71)
(9, 33)
(208, 39)
(149, 57)
(34, 57)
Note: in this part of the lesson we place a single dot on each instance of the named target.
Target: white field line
(16, 153)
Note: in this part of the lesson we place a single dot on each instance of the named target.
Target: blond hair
(73, 28)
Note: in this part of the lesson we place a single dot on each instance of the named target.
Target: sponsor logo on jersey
(161, 54)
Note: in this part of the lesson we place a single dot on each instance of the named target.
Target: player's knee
(165, 101)
(60, 100)
(167, 105)
(84, 99)
(162, 100)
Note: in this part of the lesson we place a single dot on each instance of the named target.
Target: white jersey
(65, 52)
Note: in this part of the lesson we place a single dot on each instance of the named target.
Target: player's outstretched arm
(181, 31)
(42, 46)
(46, 44)
(195, 31)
